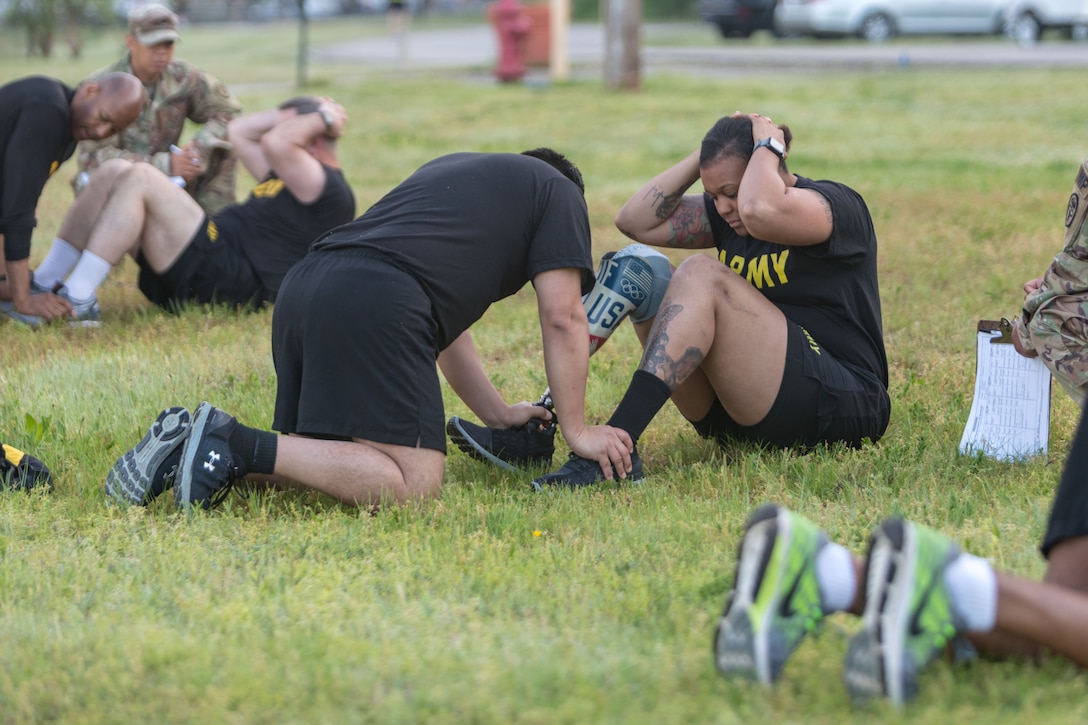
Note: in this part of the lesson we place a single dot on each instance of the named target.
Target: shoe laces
(217, 498)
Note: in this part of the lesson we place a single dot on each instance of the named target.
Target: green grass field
(495, 604)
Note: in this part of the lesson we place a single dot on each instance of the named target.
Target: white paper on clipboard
(1010, 413)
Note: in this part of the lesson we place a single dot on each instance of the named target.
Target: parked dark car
(738, 18)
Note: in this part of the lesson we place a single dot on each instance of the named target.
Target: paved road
(475, 48)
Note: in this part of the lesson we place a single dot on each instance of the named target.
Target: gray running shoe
(85, 313)
(149, 468)
(908, 618)
(7, 306)
(775, 600)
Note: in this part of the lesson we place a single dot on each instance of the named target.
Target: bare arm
(245, 134)
(771, 209)
(286, 146)
(660, 213)
(565, 332)
(461, 366)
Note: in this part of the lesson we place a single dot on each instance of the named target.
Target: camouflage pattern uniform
(1055, 319)
(183, 92)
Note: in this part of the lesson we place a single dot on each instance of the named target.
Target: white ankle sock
(90, 272)
(58, 262)
(972, 588)
(836, 577)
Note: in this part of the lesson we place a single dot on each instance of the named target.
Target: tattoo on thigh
(657, 361)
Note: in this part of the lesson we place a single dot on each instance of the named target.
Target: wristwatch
(776, 146)
(327, 117)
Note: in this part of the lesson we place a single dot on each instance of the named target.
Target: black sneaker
(22, 471)
(579, 472)
(147, 469)
(208, 466)
(532, 444)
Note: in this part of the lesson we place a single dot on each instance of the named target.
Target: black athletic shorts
(821, 400)
(1069, 515)
(354, 344)
(209, 270)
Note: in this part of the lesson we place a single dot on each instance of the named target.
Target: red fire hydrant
(512, 26)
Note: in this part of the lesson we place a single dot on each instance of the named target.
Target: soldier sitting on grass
(178, 91)
(238, 255)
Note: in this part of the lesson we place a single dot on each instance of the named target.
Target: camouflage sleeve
(1022, 331)
(1067, 275)
(212, 106)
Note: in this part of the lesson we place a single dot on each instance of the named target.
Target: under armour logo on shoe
(213, 458)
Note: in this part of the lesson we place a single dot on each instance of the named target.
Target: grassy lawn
(495, 604)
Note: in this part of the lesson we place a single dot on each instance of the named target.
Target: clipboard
(1010, 412)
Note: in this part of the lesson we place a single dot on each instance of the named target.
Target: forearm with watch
(771, 144)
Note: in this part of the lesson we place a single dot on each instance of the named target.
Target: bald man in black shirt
(41, 119)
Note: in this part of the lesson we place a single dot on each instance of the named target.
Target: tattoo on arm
(656, 360)
(688, 227)
(664, 203)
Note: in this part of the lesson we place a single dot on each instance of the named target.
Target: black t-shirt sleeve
(851, 231)
(562, 237)
(28, 163)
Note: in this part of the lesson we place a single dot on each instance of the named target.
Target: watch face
(776, 146)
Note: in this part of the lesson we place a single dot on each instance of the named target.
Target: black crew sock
(644, 398)
(257, 448)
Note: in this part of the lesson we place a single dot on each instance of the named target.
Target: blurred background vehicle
(738, 18)
(1026, 20)
(880, 20)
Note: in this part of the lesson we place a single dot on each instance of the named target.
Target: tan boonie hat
(152, 24)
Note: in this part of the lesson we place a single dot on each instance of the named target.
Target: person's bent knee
(700, 274)
(110, 170)
(426, 491)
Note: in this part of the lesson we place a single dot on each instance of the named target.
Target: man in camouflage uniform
(178, 91)
(1054, 325)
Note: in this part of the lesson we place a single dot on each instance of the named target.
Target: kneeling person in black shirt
(361, 321)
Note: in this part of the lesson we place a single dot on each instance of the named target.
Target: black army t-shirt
(473, 228)
(273, 229)
(830, 289)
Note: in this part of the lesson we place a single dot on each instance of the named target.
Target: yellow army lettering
(212, 231)
(758, 271)
(813, 345)
(268, 189)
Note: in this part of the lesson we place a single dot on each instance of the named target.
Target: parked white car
(1027, 19)
(880, 20)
